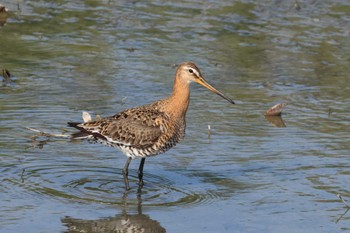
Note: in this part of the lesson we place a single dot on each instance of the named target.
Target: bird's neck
(180, 98)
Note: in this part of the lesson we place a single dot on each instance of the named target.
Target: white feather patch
(86, 117)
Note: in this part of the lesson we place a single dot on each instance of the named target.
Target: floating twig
(341, 216)
(342, 199)
(347, 206)
(209, 133)
(41, 133)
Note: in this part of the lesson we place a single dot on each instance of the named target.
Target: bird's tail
(74, 124)
(82, 134)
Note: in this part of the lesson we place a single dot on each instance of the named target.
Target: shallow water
(251, 175)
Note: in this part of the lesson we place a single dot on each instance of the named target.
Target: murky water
(251, 175)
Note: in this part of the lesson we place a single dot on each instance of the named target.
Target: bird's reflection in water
(123, 222)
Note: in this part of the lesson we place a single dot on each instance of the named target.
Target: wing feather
(138, 127)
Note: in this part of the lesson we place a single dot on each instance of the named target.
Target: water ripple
(105, 185)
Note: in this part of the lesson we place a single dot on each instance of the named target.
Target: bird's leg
(140, 172)
(125, 173)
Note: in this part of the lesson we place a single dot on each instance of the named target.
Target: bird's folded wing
(132, 133)
(124, 131)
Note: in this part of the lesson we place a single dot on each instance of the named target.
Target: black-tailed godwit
(151, 129)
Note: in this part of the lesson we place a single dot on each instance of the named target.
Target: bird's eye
(191, 71)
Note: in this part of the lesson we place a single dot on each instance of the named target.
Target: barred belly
(135, 152)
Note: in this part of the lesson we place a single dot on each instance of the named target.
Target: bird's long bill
(204, 83)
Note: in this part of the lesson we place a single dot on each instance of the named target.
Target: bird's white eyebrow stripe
(195, 71)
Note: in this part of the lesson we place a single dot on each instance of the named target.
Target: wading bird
(151, 129)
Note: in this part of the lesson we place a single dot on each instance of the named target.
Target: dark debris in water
(296, 5)
(6, 75)
(3, 14)
(7, 78)
(3, 9)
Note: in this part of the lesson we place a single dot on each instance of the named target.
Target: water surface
(251, 175)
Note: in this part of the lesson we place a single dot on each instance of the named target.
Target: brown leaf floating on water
(275, 110)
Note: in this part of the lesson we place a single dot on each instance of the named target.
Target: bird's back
(138, 132)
